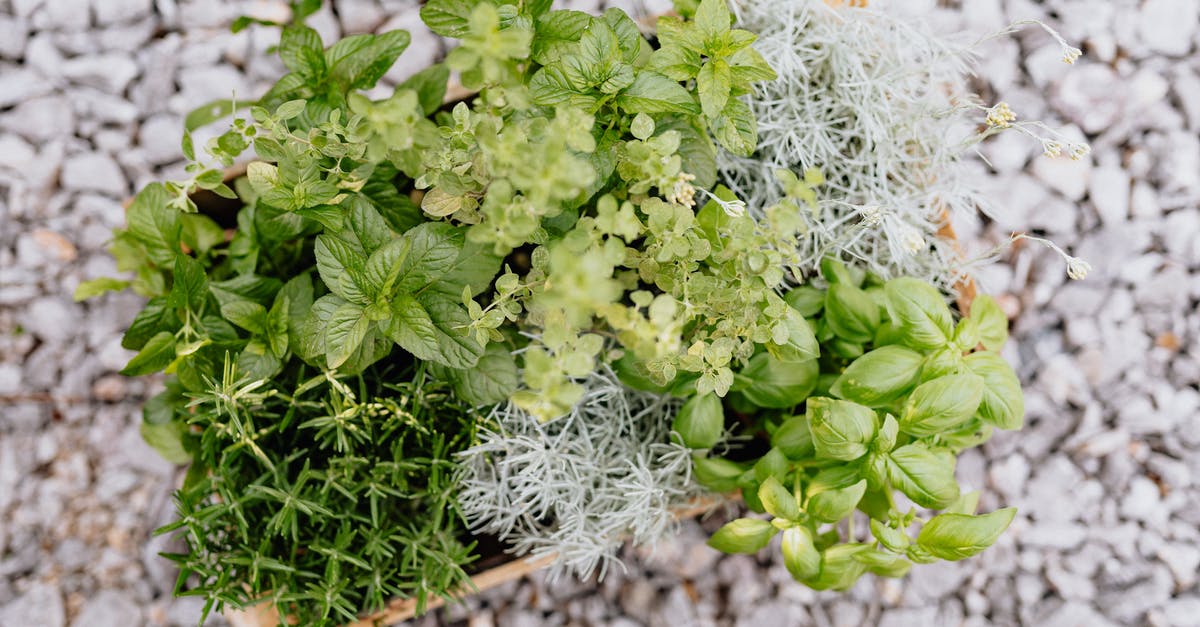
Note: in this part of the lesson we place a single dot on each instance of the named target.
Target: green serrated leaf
(158, 353)
(651, 92)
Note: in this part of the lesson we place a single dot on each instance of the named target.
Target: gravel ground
(91, 101)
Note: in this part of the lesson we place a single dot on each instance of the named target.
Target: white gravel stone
(14, 31)
(94, 171)
(1089, 96)
(1168, 26)
(41, 605)
(17, 85)
(1109, 191)
(109, 71)
(109, 608)
(1066, 176)
(118, 11)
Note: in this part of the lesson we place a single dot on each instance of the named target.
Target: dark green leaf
(793, 438)
(716, 473)
(430, 85)
(158, 353)
(248, 315)
(448, 18)
(491, 381)
(191, 284)
(558, 32)
(778, 384)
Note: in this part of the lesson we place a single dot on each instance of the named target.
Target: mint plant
(898, 390)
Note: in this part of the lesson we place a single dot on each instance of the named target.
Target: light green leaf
(700, 423)
(879, 377)
(736, 128)
(851, 313)
(712, 18)
(778, 384)
(991, 322)
(800, 556)
(959, 536)
(557, 34)
(96, 287)
(942, 404)
(839, 569)
(834, 505)
(922, 476)
(714, 83)
(301, 51)
(491, 381)
(778, 500)
(744, 535)
(716, 473)
(793, 438)
(840, 429)
(919, 312)
(167, 439)
(891, 538)
(246, 314)
(802, 342)
(448, 18)
(1002, 404)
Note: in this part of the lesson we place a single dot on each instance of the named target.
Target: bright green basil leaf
(158, 353)
(800, 556)
(793, 438)
(835, 272)
(942, 404)
(778, 384)
(806, 299)
(959, 536)
(966, 503)
(920, 313)
(651, 92)
(883, 564)
(778, 500)
(879, 377)
(851, 313)
(716, 473)
(966, 334)
(888, 433)
(922, 476)
(942, 362)
(834, 505)
(744, 535)
(891, 538)
(802, 342)
(700, 423)
(839, 569)
(840, 429)
(991, 322)
(773, 464)
(1003, 404)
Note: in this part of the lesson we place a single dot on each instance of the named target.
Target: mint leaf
(96, 287)
(959, 536)
(942, 404)
(155, 225)
(714, 83)
(840, 429)
(345, 331)
(383, 267)
(629, 39)
(158, 353)
(922, 476)
(736, 129)
(1002, 404)
(301, 51)
(490, 381)
(248, 315)
(448, 18)
(342, 268)
(359, 63)
(713, 19)
(879, 377)
(190, 285)
(651, 92)
(167, 439)
(430, 85)
(434, 249)
(558, 32)
(277, 322)
(433, 329)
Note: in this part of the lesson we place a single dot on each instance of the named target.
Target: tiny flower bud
(1077, 268)
(1071, 54)
(1000, 116)
(1051, 148)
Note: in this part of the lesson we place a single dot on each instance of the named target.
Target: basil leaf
(834, 505)
(851, 313)
(793, 438)
(700, 423)
(807, 300)
(778, 500)
(942, 404)
(991, 322)
(158, 353)
(744, 535)
(801, 343)
(717, 473)
(958, 536)
(839, 569)
(773, 464)
(922, 476)
(1003, 404)
(917, 309)
(778, 384)
(883, 564)
(879, 377)
(800, 556)
(890, 538)
(840, 429)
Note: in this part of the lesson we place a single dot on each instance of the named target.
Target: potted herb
(409, 296)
